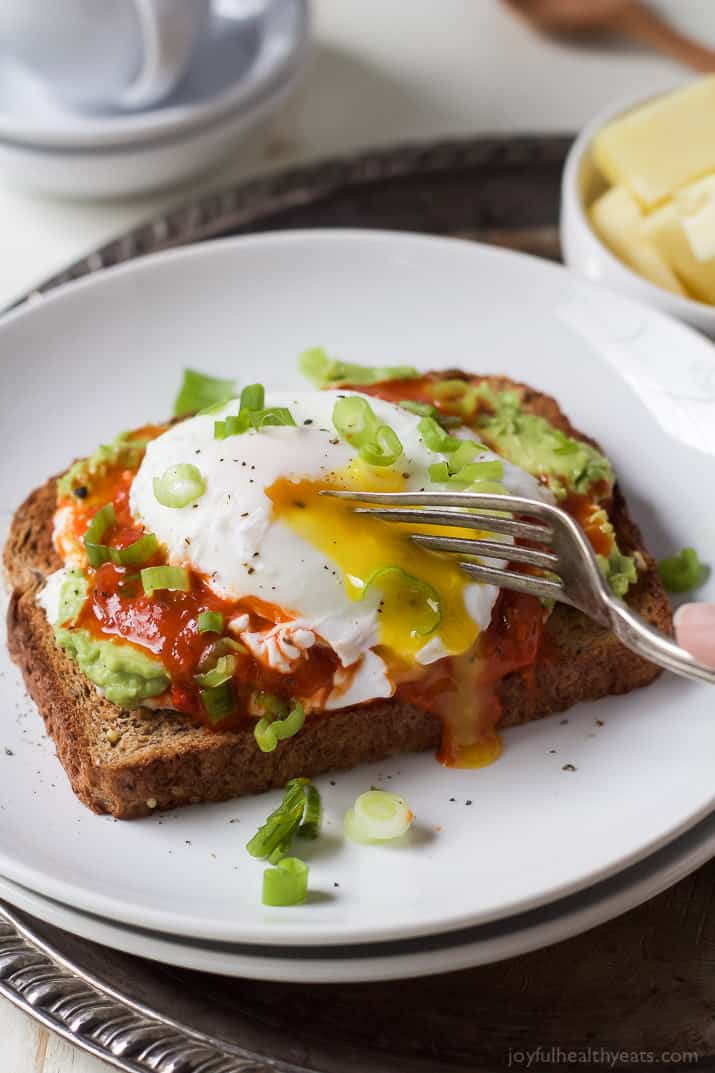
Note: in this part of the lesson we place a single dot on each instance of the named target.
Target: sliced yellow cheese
(662, 146)
(617, 219)
(674, 230)
(695, 204)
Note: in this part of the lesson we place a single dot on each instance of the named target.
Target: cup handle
(168, 31)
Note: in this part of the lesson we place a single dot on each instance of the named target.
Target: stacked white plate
(585, 814)
(242, 72)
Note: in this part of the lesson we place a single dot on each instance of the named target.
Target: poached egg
(262, 530)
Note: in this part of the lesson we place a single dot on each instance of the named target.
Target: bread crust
(129, 763)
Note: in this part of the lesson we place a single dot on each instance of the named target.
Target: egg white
(231, 537)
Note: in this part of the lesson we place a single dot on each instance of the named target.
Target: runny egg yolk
(360, 545)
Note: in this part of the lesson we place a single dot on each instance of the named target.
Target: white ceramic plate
(237, 64)
(392, 961)
(105, 353)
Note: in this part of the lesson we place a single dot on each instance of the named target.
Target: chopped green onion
(479, 471)
(268, 732)
(282, 822)
(325, 371)
(273, 416)
(466, 452)
(413, 595)
(222, 672)
(456, 396)
(682, 571)
(104, 520)
(286, 884)
(384, 450)
(355, 420)
(312, 813)
(218, 701)
(239, 423)
(421, 409)
(175, 578)
(210, 622)
(199, 391)
(179, 485)
(377, 816)
(439, 472)
(435, 437)
(253, 397)
(426, 409)
(139, 551)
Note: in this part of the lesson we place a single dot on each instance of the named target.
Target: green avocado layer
(124, 450)
(534, 444)
(125, 674)
(564, 464)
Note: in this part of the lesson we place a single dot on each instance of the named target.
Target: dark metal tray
(642, 983)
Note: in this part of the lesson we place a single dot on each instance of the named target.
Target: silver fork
(567, 557)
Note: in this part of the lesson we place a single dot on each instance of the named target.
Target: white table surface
(383, 71)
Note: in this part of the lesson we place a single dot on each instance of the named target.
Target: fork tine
(469, 500)
(484, 522)
(507, 579)
(493, 549)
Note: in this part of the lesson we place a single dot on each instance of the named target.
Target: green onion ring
(179, 485)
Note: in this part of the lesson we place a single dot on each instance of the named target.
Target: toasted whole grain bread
(163, 759)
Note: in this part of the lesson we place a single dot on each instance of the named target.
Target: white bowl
(583, 250)
(138, 168)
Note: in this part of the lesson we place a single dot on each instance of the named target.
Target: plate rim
(558, 921)
(180, 924)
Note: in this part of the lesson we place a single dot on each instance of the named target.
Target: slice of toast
(128, 763)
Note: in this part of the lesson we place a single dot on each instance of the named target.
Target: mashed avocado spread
(566, 465)
(124, 450)
(534, 444)
(125, 674)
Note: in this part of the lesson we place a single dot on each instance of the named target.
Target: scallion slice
(426, 409)
(198, 392)
(140, 551)
(286, 884)
(377, 816)
(218, 701)
(466, 452)
(312, 813)
(210, 622)
(257, 419)
(384, 450)
(325, 371)
(269, 731)
(253, 397)
(175, 578)
(439, 472)
(282, 822)
(179, 485)
(222, 672)
(435, 437)
(355, 420)
(104, 520)
(415, 597)
(478, 471)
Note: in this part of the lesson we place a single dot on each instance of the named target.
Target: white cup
(98, 53)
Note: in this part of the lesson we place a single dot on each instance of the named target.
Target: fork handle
(635, 633)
